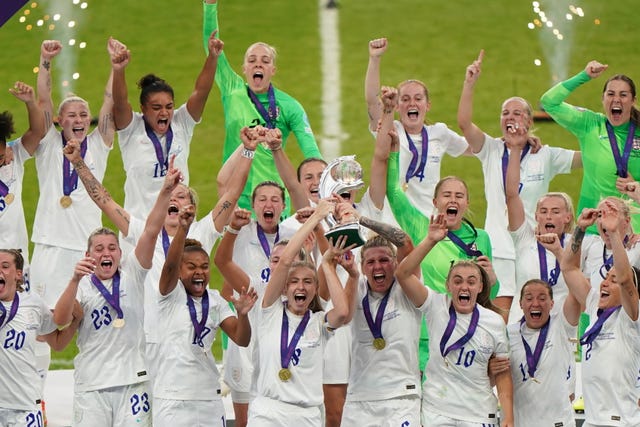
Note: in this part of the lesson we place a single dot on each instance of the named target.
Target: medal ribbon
(607, 261)
(551, 277)
(262, 237)
(70, 177)
(12, 311)
(268, 116)
(592, 333)
(198, 326)
(165, 241)
(414, 170)
(112, 298)
(505, 163)
(467, 248)
(287, 348)
(622, 162)
(375, 327)
(157, 145)
(534, 358)
(451, 326)
(4, 189)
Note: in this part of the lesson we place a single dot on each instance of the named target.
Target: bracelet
(230, 230)
(247, 153)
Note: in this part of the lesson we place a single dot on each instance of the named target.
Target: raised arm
(171, 268)
(96, 190)
(279, 275)
(377, 48)
(63, 312)
(341, 298)
(232, 273)
(122, 111)
(204, 82)
(515, 207)
(384, 140)
(472, 133)
(48, 50)
(31, 138)
(106, 125)
(286, 170)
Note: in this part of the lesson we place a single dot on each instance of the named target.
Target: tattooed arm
(570, 262)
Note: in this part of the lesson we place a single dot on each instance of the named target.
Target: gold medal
(379, 343)
(284, 374)
(9, 198)
(65, 201)
(535, 380)
(405, 187)
(118, 322)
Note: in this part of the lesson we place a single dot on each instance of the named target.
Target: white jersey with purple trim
(595, 256)
(543, 401)
(144, 173)
(54, 224)
(304, 388)
(186, 367)
(20, 379)
(610, 366)
(14, 226)
(110, 356)
(536, 172)
(442, 140)
(459, 385)
(393, 371)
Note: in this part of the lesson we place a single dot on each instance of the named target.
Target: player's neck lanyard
(592, 333)
(375, 326)
(505, 163)
(4, 320)
(607, 261)
(622, 161)
(268, 116)
(70, 177)
(165, 241)
(157, 145)
(264, 242)
(113, 297)
(473, 324)
(551, 277)
(469, 249)
(287, 348)
(4, 189)
(534, 358)
(414, 170)
(198, 325)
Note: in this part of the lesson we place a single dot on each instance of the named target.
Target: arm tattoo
(576, 240)
(122, 213)
(225, 205)
(94, 188)
(393, 234)
(46, 65)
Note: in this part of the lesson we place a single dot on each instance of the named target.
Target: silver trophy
(341, 176)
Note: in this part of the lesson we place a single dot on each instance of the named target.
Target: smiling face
(536, 303)
(618, 99)
(181, 196)
(464, 284)
(158, 111)
(106, 252)
(309, 175)
(194, 272)
(553, 215)
(379, 267)
(413, 104)
(259, 66)
(9, 276)
(268, 204)
(609, 291)
(452, 199)
(74, 118)
(517, 113)
(301, 288)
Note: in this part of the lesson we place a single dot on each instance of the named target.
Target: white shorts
(20, 418)
(337, 357)
(192, 413)
(50, 271)
(238, 368)
(121, 406)
(265, 412)
(401, 411)
(432, 419)
(505, 270)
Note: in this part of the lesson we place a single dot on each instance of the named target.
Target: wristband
(247, 153)
(231, 230)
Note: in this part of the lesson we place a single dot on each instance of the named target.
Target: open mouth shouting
(512, 127)
(198, 285)
(173, 210)
(78, 132)
(300, 297)
(616, 112)
(413, 113)
(258, 77)
(536, 314)
(163, 125)
(451, 213)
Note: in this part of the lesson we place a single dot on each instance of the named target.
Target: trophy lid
(343, 174)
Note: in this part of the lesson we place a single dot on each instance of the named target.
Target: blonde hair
(568, 204)
(270, 49)
(70, 99)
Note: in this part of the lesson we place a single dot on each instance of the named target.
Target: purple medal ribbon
(12, 311)
(607, 261)
(70, 177)
(592, 333)
(157, 145)
(451, 326)
(268, 116)
(112, 298)
(287, 348)
(467, 248)
(198, 326)
(414, 170)
(4, 189)
(505, 163)
(266, 272)
(375, 327)
(534, 358)
(551, 277)
(622, 162)
(165, 241)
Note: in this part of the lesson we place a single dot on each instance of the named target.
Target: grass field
(428, 40)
